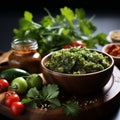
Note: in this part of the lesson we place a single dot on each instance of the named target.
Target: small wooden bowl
(80, 84)
(108, 48)
(115, 36)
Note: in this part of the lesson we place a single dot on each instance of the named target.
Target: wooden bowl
(115, 36)
(113, 49)
(79, 84)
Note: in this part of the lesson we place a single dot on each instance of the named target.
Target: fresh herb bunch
(48, 97)
(52, 33)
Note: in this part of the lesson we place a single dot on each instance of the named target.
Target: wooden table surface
(113, 99)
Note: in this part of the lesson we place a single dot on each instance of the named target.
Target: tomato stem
(14, 88)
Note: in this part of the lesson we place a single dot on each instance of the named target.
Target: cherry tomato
(67, 46)
(17, 108)
(9, 93)
(10, 99)
(78, 43)
(3, 85)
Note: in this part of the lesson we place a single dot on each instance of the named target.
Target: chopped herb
(81, 61)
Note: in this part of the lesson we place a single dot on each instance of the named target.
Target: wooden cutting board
(92, 107)
(4, 60)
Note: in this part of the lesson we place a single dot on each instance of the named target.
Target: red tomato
(3, 85)
(17, 108)
(67, 46)
(9, 93)
(78, 43)
(10, 99)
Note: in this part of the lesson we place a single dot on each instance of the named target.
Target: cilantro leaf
(28, 16)
(68, 13)
(80, 13)
(52, 33)
(71, 108)
(49, 94)
(87, 27)
(26, 100)
(29, 102)
(54, 103)
(101, 39)
(33, 93)
(46, 21)
(50, 91)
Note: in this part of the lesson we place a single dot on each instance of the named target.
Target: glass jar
(25, 55)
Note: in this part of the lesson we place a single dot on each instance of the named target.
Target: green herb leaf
(80, 13)
(68, 13)
(101, 39)
(29, 103)
(54, 103)
(71, 108)
(50, 91)
(46, 21)
(28, 16)
(52, 33)
(33, 93)
(26, 100)
(87, 27)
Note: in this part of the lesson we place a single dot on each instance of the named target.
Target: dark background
(107, 16)
(12, 10)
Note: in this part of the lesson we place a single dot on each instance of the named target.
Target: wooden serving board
(92, 107)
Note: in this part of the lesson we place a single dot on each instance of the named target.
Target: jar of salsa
(25, 55)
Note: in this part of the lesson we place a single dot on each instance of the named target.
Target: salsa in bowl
(78, 70)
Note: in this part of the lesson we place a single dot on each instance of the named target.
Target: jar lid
(24, 44)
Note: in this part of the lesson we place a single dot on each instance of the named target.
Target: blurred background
(107, 15)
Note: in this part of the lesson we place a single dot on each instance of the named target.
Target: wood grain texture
(4, 60)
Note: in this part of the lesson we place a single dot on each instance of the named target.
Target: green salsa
(77, 60)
